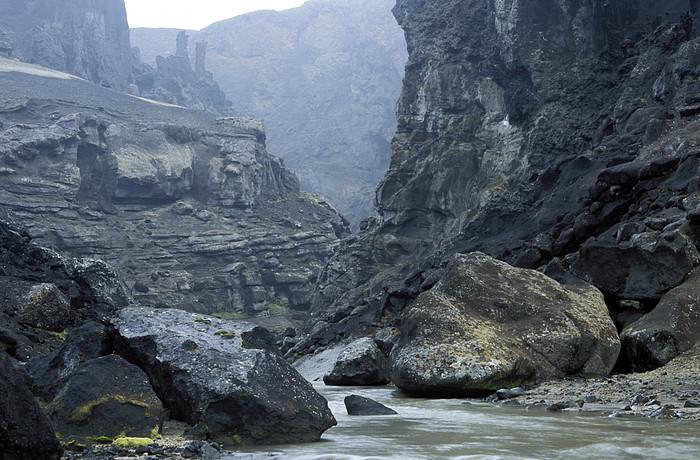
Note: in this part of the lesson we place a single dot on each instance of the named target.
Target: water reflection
(450, 429)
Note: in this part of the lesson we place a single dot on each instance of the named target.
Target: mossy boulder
(235, 384)
(487, 325)
(107, 398)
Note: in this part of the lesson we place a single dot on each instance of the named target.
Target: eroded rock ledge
(190, 209)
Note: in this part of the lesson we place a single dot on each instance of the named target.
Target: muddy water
(450, 429)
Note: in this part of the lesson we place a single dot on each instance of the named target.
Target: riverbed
(461, 429)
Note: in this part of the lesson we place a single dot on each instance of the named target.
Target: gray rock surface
(360, 363)
(487, 325)
(52, 371)
(82, 287)
(325, 78)
(670, 329)
(189, 206)
(90, 39)
(524, 130)
(25, 431)
(107, 398)
(359, 405)
(222, 375)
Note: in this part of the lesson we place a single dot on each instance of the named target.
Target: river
(451, 429)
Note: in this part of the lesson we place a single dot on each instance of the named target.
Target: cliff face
(90, 39)
(189, 208)
(87, 38)
(549, 134)
(325, 78)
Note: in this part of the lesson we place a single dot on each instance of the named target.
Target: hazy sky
(195, 14)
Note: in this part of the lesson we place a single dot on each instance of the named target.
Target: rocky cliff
(325, 78)
(90, 39)
(557, 135)
(190, 209)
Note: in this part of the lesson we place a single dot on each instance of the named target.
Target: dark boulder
(46, 307)
(361, 363)
(51, 372)
(220, 374)
(670, 329)
(359, 405)
(106, 398)
(645, 267)
(25, 432)
(487, 325)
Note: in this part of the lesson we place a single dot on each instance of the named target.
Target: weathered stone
(360, 363)
(25, 432)
(51, 372)
(46, 307)
(670, 329)
(486, 324)
(107, 397)
(221, 374)
(645, 267)
(359, 405)
(319, 91)
(170, 198)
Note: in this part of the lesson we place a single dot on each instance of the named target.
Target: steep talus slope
(190, 209)
(325, 78)
(559, 135)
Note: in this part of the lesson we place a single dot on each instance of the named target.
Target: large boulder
(643, 268)
(223, 376)
(667, 331)
(487, 325)
(107, 397)
(25, 432)
(51, 372)
(360, 363)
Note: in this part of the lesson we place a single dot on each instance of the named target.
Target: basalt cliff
(189, 208)
(561, 136)
(325, 77)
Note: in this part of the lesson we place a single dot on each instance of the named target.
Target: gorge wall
(557, 135)
(90, 39)
(325, 78)
(190, 209)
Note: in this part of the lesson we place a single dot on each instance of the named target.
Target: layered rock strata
(190, 209)
(325, 78)
(550, 135)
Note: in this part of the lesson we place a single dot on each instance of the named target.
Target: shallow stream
(450, 429)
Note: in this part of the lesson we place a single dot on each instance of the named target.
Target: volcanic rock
(360, 363)
(25, 432)
(667, 331)
(487, 325)
(222, 375)
(51, 372)
(107, 398)
(359, 405)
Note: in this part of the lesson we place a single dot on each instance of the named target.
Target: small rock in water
(359, 405)
(511, 402)
(665, 412)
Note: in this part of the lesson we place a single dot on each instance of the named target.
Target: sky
(195, 14)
